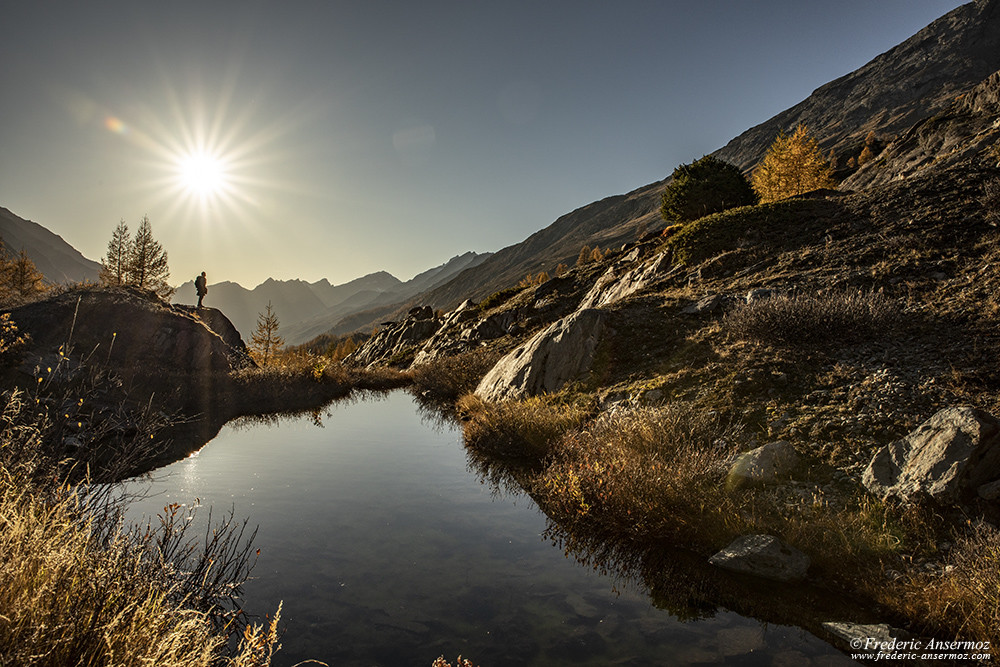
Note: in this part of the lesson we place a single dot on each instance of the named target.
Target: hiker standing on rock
(201, 287)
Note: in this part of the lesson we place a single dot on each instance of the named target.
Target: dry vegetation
(76, 587)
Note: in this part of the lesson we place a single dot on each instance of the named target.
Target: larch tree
(793, 165)
(265, 342)
(114, 265)
(24, 279)
(147, 262)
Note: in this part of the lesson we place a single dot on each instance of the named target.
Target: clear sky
(328, 139)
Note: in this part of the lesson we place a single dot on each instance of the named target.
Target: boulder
(880, 638)
(763, 556)
(560, 353)
(705, 305)
(957, 451)
(766, 464)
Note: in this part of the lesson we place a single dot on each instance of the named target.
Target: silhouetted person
(201, 287)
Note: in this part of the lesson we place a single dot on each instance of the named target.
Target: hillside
(836, 328)
(912, 81)
(57, 260)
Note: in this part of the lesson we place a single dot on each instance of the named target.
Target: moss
(779, 224)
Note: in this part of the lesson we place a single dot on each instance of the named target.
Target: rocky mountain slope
(58, 261)
(915, 80)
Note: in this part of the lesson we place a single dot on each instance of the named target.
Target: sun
(202, 174)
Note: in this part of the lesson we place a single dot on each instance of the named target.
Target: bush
(776, 224)
(705, 186)
(835, 317)
(967, 597)
(644, 474)
(522, 430)
(498, 298)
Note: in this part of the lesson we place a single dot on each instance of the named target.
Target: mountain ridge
(56, 259)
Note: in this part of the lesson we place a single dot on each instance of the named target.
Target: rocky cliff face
(969, 126)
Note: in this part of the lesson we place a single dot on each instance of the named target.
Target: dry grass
(77, 588)
(824, 319)
(523, 431)
(644, 475)
(991, 201)
(965, 598)
(446, 379)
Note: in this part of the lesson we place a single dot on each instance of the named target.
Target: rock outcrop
(763, 556)
(560, 353)
(615, 285)
(397, 340)
(130, 330)
(954, 453)
(965, 129)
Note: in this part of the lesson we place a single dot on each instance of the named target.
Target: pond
(386, 549)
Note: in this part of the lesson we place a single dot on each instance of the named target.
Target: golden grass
(447, 378)
(76, 588)
(965, 598)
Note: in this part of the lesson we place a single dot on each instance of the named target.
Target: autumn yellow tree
(793, 165)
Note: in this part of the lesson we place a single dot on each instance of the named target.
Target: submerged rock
(763, 556)
(560, 353)
(954, 452)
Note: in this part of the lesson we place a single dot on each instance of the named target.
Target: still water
(387, 550)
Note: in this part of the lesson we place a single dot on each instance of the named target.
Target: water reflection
(387, 549)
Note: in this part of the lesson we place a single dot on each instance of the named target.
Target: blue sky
(341, 138)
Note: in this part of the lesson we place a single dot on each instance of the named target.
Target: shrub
(705, 186)
(966, 598)
(523, 430)
(498, 298)
(643, 474)
(835, 317)
(775, 224)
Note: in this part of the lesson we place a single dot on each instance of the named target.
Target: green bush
(705, 186)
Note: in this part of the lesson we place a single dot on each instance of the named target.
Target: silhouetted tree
(114, 265)
(147, 262)
(24, 279)
(265, 342)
